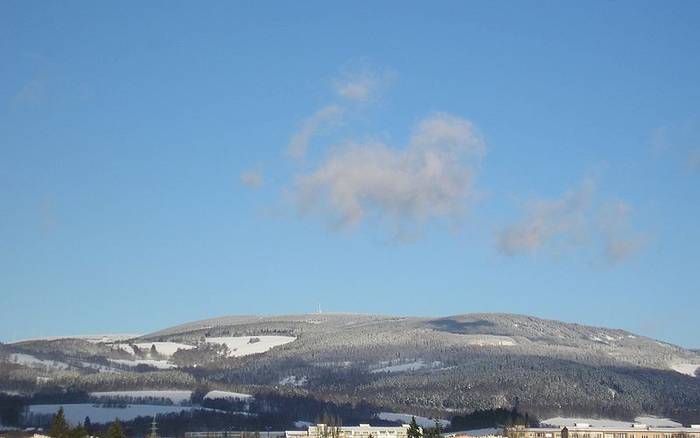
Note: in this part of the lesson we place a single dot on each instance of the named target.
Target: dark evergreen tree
(59, 426)
(115, 430)
(78, 432)
(433, 432)
(413, 430)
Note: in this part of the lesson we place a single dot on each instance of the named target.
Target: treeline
(11, 409)
(486, 418)
(59, 428)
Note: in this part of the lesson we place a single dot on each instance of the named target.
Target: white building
(361, 431)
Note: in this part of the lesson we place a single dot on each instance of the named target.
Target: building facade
(587, 431)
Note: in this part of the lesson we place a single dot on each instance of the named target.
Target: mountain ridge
(425, 365)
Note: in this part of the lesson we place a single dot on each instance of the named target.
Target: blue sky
(173, 161)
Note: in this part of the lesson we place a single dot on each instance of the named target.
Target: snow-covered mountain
(429, 365)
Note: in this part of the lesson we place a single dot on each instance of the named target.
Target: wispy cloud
(431, 177)
(299, 143)
(577, 218)
(252, 178)
(618, 240)
(362, 84)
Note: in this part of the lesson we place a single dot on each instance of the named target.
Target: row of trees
(60, 428)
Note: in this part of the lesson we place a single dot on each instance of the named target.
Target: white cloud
(575, 219)
(432, 177)
(548, 220)
(618, 242)
(252, 178)
(299, 143)
(362, 85)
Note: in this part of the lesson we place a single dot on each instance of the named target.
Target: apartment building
(582, 430)
(361, 431)
(313, 431)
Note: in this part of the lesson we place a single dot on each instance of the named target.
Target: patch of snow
(685, 368)
(226, 394)
(412, 366)
(294, 381)
(34, 362)
(488, 340)
(76, 413)
(160, 364)
(299, 424)
(176, 396)
(7, 428)
(406, 419)
(125, 347)
(244, 345)
(164, 348)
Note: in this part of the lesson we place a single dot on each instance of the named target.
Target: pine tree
(115, 430)
(59, 426)
(434, 432)
(413, 430)
(78, 432)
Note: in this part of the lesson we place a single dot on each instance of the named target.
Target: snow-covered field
(598, 422)
(406, 419)
(29, 360)
(164, 348)
(245, 345)
(226, 394)
(685, 368)
(294, 381)
(412, 366)
(489, 340)
(76, 413)
(176, 396)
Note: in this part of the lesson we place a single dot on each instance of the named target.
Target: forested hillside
(427, 366)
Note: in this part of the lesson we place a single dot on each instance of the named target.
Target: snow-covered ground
(176, 396)
(29, 360)
(226, 394)
(245, 345)
(488, 340)
(685, 368)
(160, 364)
(598, 422)
(164, 348)
(76, 413)
(406, 419)
(412, 366)
(300, 424)
(294, 381)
